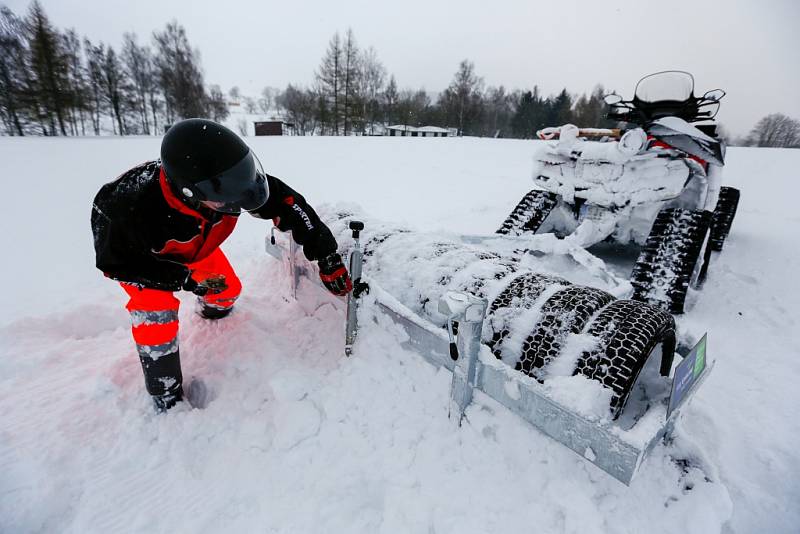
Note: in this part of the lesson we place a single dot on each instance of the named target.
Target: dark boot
(168, 400)
(163, 378)
(213, 312)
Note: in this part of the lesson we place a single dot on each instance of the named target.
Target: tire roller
(530, 314)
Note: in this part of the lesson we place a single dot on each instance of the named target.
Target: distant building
(403, 130)
(274, 128)
(400, 130)
(433, 131)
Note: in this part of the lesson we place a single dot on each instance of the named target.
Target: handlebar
(628, 111)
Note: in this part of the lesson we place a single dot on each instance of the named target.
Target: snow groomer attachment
(585, 368)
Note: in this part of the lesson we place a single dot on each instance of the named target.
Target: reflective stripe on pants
(154, 321)
(154, 313)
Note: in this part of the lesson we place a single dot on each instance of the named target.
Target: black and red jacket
(144, 234)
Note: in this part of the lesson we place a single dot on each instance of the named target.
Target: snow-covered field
(296, 438)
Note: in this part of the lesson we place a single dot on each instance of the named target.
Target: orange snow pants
(154, 312)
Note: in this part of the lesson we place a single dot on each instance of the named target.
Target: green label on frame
(700, 359)
(687, 373)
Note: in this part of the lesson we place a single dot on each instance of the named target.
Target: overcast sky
(749, 48)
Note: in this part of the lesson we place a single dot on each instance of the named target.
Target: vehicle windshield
(671, 85)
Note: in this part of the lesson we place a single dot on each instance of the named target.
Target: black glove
(334, 275)
(212, 285)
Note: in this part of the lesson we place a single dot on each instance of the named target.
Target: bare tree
(775, 130)
(12, 71)
(329, 78)
(217, 104)
(301, 108)
(497, 118)
(137, 63)
(462, 99)
(114, 85)
(48, 68)
(351, 73)
(322, 111)
(268, 99)
(94, 66)
(389, 100)
(178, 68)
(76, 76)
(413, 107)
(373, 76)
(265, 101)
(152, 88)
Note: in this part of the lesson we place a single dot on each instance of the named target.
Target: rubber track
(664, 269)
(529, 214)
(724, 214)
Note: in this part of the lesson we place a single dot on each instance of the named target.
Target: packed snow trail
(297, 438)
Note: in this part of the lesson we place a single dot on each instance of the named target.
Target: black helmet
(208, 164)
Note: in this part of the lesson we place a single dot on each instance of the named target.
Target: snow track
(296, 438)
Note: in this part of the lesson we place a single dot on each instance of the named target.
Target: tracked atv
(655, 185)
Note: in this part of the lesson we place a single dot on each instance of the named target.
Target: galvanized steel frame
(605, 444)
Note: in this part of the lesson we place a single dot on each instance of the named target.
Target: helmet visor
(242, 187)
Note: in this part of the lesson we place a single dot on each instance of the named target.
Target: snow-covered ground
(296, 438)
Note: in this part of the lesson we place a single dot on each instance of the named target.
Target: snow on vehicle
(511, 317)
(656, 185)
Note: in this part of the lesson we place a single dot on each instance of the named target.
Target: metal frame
(617, 451)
